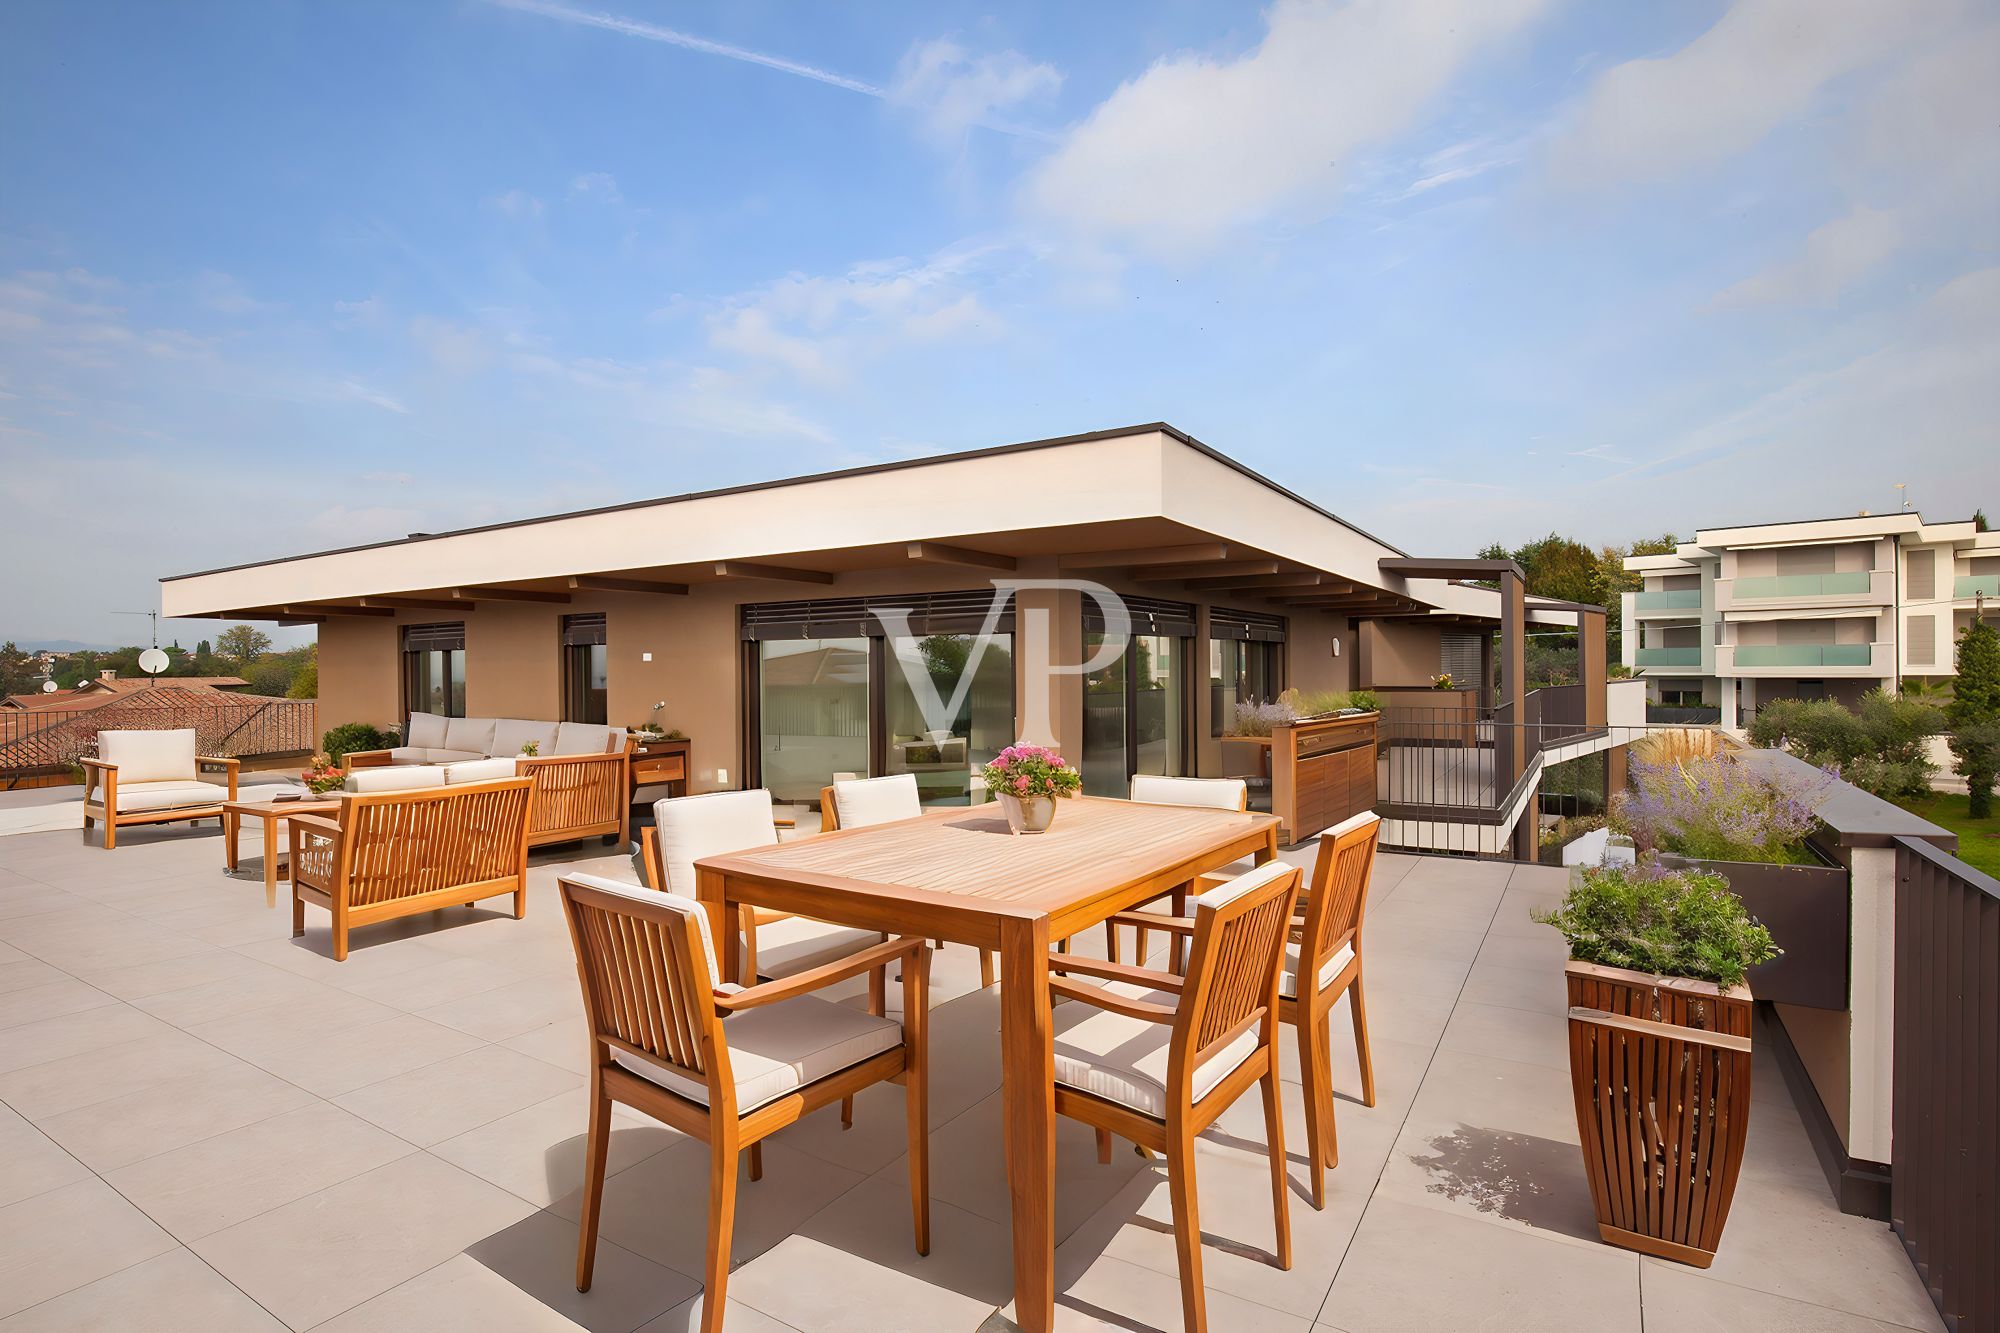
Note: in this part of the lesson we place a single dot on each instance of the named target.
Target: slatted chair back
(1231, 983)
(402, 844)
(648, 974)
(1338, 899)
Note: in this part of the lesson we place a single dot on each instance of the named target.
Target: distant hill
(62, 646)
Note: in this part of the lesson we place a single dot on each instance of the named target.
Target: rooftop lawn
(1978, 839)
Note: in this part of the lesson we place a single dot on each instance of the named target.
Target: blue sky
(286, 276)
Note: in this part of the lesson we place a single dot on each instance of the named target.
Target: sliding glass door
(949, 708)
(1136, 708)
(812, 709)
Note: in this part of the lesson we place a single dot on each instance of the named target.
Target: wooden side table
(273, 813)
(661, 763)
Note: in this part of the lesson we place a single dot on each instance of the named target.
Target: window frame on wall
(585, 662)
(958, 612)
(445, 640)
(1233, 633)
(1150, 617)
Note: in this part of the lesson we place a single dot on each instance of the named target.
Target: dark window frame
(417, 641)
(580, 635)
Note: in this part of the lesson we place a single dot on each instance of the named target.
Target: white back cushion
(691, 827)
(149, 756)
(863, 801)
(1231, 889)
(1218, 793)
(673, 902)
(474, 734)
(510, 734)
(587, 738)
(477, 770)
(400, 777)
(426, 731)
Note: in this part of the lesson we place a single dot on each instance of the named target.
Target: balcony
(1804, 654)
(1670, 599)
(1858, 581)
(1971, 585)
(1670, 657)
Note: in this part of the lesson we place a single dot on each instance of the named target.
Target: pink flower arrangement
(1023, 771)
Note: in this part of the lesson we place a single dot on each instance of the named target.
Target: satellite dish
(152, 661)
(50, 687)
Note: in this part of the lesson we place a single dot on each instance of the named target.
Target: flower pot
(1660, 1068)
(1028, 814)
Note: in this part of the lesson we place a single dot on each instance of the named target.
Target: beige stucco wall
(1396, 652)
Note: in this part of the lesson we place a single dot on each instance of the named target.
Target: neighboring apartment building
(1829, 608)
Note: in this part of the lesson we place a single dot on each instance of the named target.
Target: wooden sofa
(399, 853)
(151, 777)
(581, 772)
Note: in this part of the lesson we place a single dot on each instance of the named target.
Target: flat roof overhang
(1148, 502)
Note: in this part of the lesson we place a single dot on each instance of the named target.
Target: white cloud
(518, 204)
(226, 296)
(1196, 147)
(373, 397)
(1835, 256)
(1764, 63)
(597, 186)
(952, 91)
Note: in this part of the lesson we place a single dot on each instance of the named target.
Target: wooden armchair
(1151, 789)
(151, 777)
(578, 795)
(399, 853)
(723, 1064)
(1155, 1057)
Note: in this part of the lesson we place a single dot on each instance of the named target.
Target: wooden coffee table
(273, 813)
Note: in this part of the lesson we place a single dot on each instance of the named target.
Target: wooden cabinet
(1322, 771)
(662, 763)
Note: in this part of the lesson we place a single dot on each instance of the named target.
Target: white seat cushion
(1216, 793)
(510, 734)
(586, 738)
(426, 731)
(780, 1048)
(472, 734)
(410, 754)
(149, 756)
(406, 777)
(1124, 1060)
(1288, 981)
(137, 796)
(691, 827)
(798, 944)
(479, 770)
(863, 801)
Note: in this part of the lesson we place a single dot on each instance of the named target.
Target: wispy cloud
(687, 41)
(373, 397)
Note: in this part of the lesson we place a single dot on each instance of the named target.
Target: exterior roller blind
(1458, 656)
(1150, 615)
(1922, 576)
(434, 638)
(1227, 623)
(583, 630)
(1923, 640)
(854, 617)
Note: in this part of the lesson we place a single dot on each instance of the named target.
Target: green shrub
(1878, 747)
(1680, 923)
(349, 737)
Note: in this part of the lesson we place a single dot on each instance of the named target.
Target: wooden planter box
(1660, 1067)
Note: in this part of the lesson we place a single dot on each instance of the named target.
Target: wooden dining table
(958, 874)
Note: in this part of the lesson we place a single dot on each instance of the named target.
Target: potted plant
(1443, 681)
(530, 749)
(323, 775)
(1028, 780)
(1660, 1049)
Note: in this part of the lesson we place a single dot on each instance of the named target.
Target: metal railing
(1944, 1181)
(1803, 585)
(40, 741)
(1690, 715)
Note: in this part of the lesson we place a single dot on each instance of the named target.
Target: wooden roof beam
(1284, 578)
(1221, 570)
(937, 553)
(744, 569)
(604, 583)
(493, 592)
(322, 609)
(1146, 555)
(416, 604)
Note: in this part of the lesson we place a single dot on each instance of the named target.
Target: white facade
(1824, 609)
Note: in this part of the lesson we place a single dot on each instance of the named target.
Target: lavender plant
(1257, 719)
(1715, 809)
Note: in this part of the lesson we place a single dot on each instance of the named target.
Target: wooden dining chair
(859, 802)
(723, 1064)
(1152, 789)
(1155, 1058)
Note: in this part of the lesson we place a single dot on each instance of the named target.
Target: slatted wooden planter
(1661, 1071)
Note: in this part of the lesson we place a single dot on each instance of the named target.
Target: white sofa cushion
(426, 731)
(1288, 981)
(410, 754)
(691, 827)
(408, 777)
(474, 734)
(137, 796)
(149, 756)
(673, 902)
(510, 734)
(779, 1048)
(586, 738)
(478, 770)
(1217, 793)
(1124, 1060)
(860, 802)
(439, 755)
